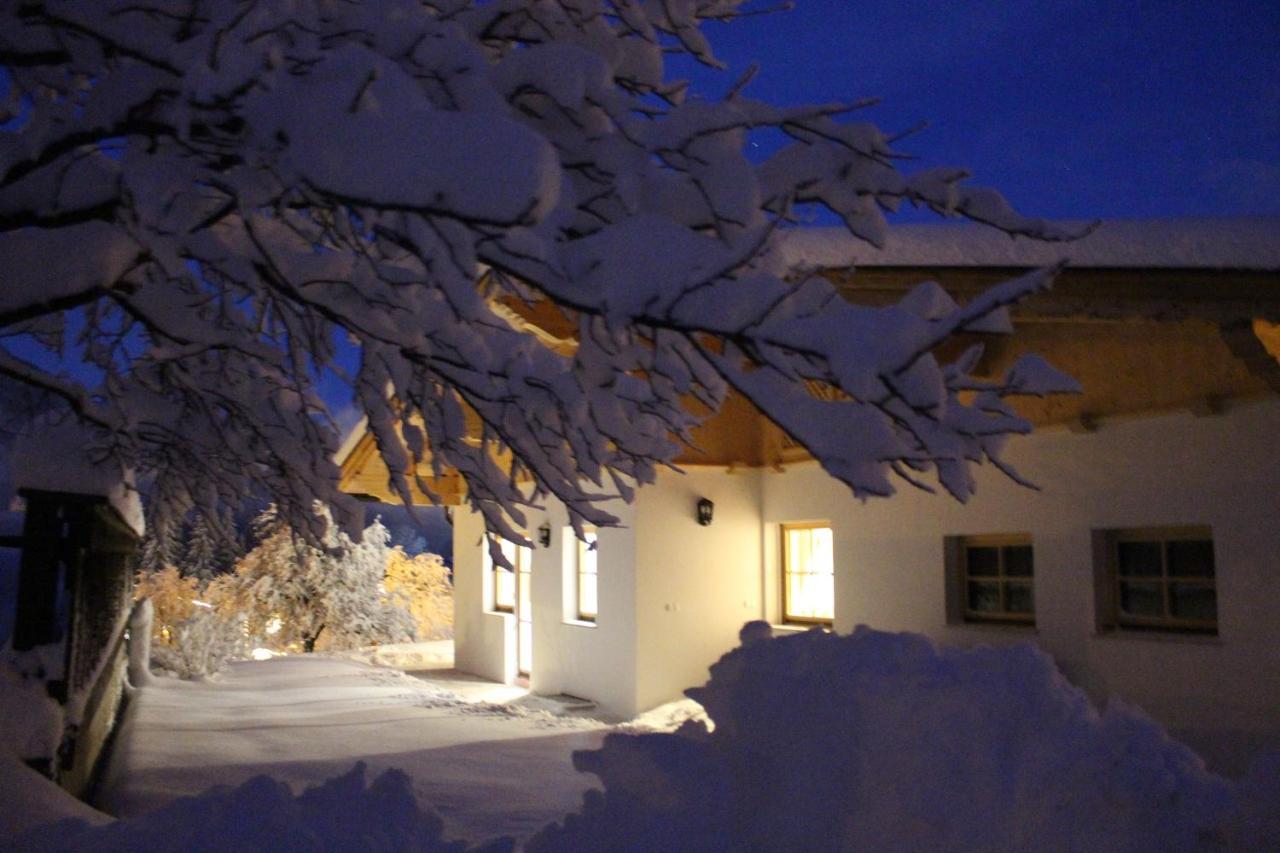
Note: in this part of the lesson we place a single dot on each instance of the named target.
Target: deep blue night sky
(1072, 109)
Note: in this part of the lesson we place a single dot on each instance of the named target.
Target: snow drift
(877, 741)
(263, 814)
(865, 742)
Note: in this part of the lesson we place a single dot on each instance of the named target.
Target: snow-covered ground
(869, 741)
(488, 763)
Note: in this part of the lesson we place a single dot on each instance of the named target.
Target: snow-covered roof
(1240, 244)
(57, 458)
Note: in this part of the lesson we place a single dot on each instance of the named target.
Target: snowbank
(29, 800)
(341, 814)
(878, 741)
(31, 723)
(869, 742)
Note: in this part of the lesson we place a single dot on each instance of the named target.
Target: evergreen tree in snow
(202, 551)
(228, 546)
(297, 594)
(228, 193)
(160, 548)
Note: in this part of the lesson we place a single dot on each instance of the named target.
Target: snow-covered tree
(172, 596)
(160, 548)
(227, 194)
(294, 592)
(422, 581)
(201, 559)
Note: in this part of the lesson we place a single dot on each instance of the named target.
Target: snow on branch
(207, 206)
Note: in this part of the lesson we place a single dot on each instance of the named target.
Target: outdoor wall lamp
(544, 535)
(705, 509)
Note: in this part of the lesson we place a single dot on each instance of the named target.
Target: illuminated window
(586, 577)
(808, 573)
(504, 580)
(1162, 579)
(996, 579)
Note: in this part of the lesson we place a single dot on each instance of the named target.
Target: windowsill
(798, 627)
(999, 627)
(1121, 634)
(580, 623)
(500, 613)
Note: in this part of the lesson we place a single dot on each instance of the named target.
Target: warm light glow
(274, 626)
(588, 577)
(263, 654)
(809, 570)
(504, 580)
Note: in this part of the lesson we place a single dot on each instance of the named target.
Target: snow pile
(669, 717)
(29, 800)
(31, 723)
(341, 814)
(879, 741)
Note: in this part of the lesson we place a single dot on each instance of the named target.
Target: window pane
(1139, 559)
(809, 573)
(1193, 601)
(810, 596)
(587, 596)
(587, 555)
(504, 589)
(984, 596)
(9, 560)
(982, 562)
(1192, 558)
(523, 589)
(1018, 561)
(1142, 599)
(1019, 598)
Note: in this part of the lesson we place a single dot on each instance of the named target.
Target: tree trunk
(309, 643)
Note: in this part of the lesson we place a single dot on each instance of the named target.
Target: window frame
(1118, 619)
(785, 573)
(1003, 616)
(522, 555)
(581, 549)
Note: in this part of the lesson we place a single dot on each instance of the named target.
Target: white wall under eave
(695, 585)
(592, 661)
(1220, 694)
(484, 642)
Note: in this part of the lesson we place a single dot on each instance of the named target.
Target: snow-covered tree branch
(205, 204)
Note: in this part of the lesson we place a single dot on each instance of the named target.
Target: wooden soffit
(1141, 342)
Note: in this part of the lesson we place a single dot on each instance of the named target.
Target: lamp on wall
(705, 510)
(544, 535)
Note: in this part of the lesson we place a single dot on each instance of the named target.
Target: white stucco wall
(484, 643)
(1221, 471)
(695, 585)
(596, 662)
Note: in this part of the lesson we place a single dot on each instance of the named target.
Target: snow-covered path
(487, 769)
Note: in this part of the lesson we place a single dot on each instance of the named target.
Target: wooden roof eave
(1218, 296)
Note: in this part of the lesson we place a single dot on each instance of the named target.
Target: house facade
(1147, 565)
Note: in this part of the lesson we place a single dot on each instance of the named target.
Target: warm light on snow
(262, 654)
